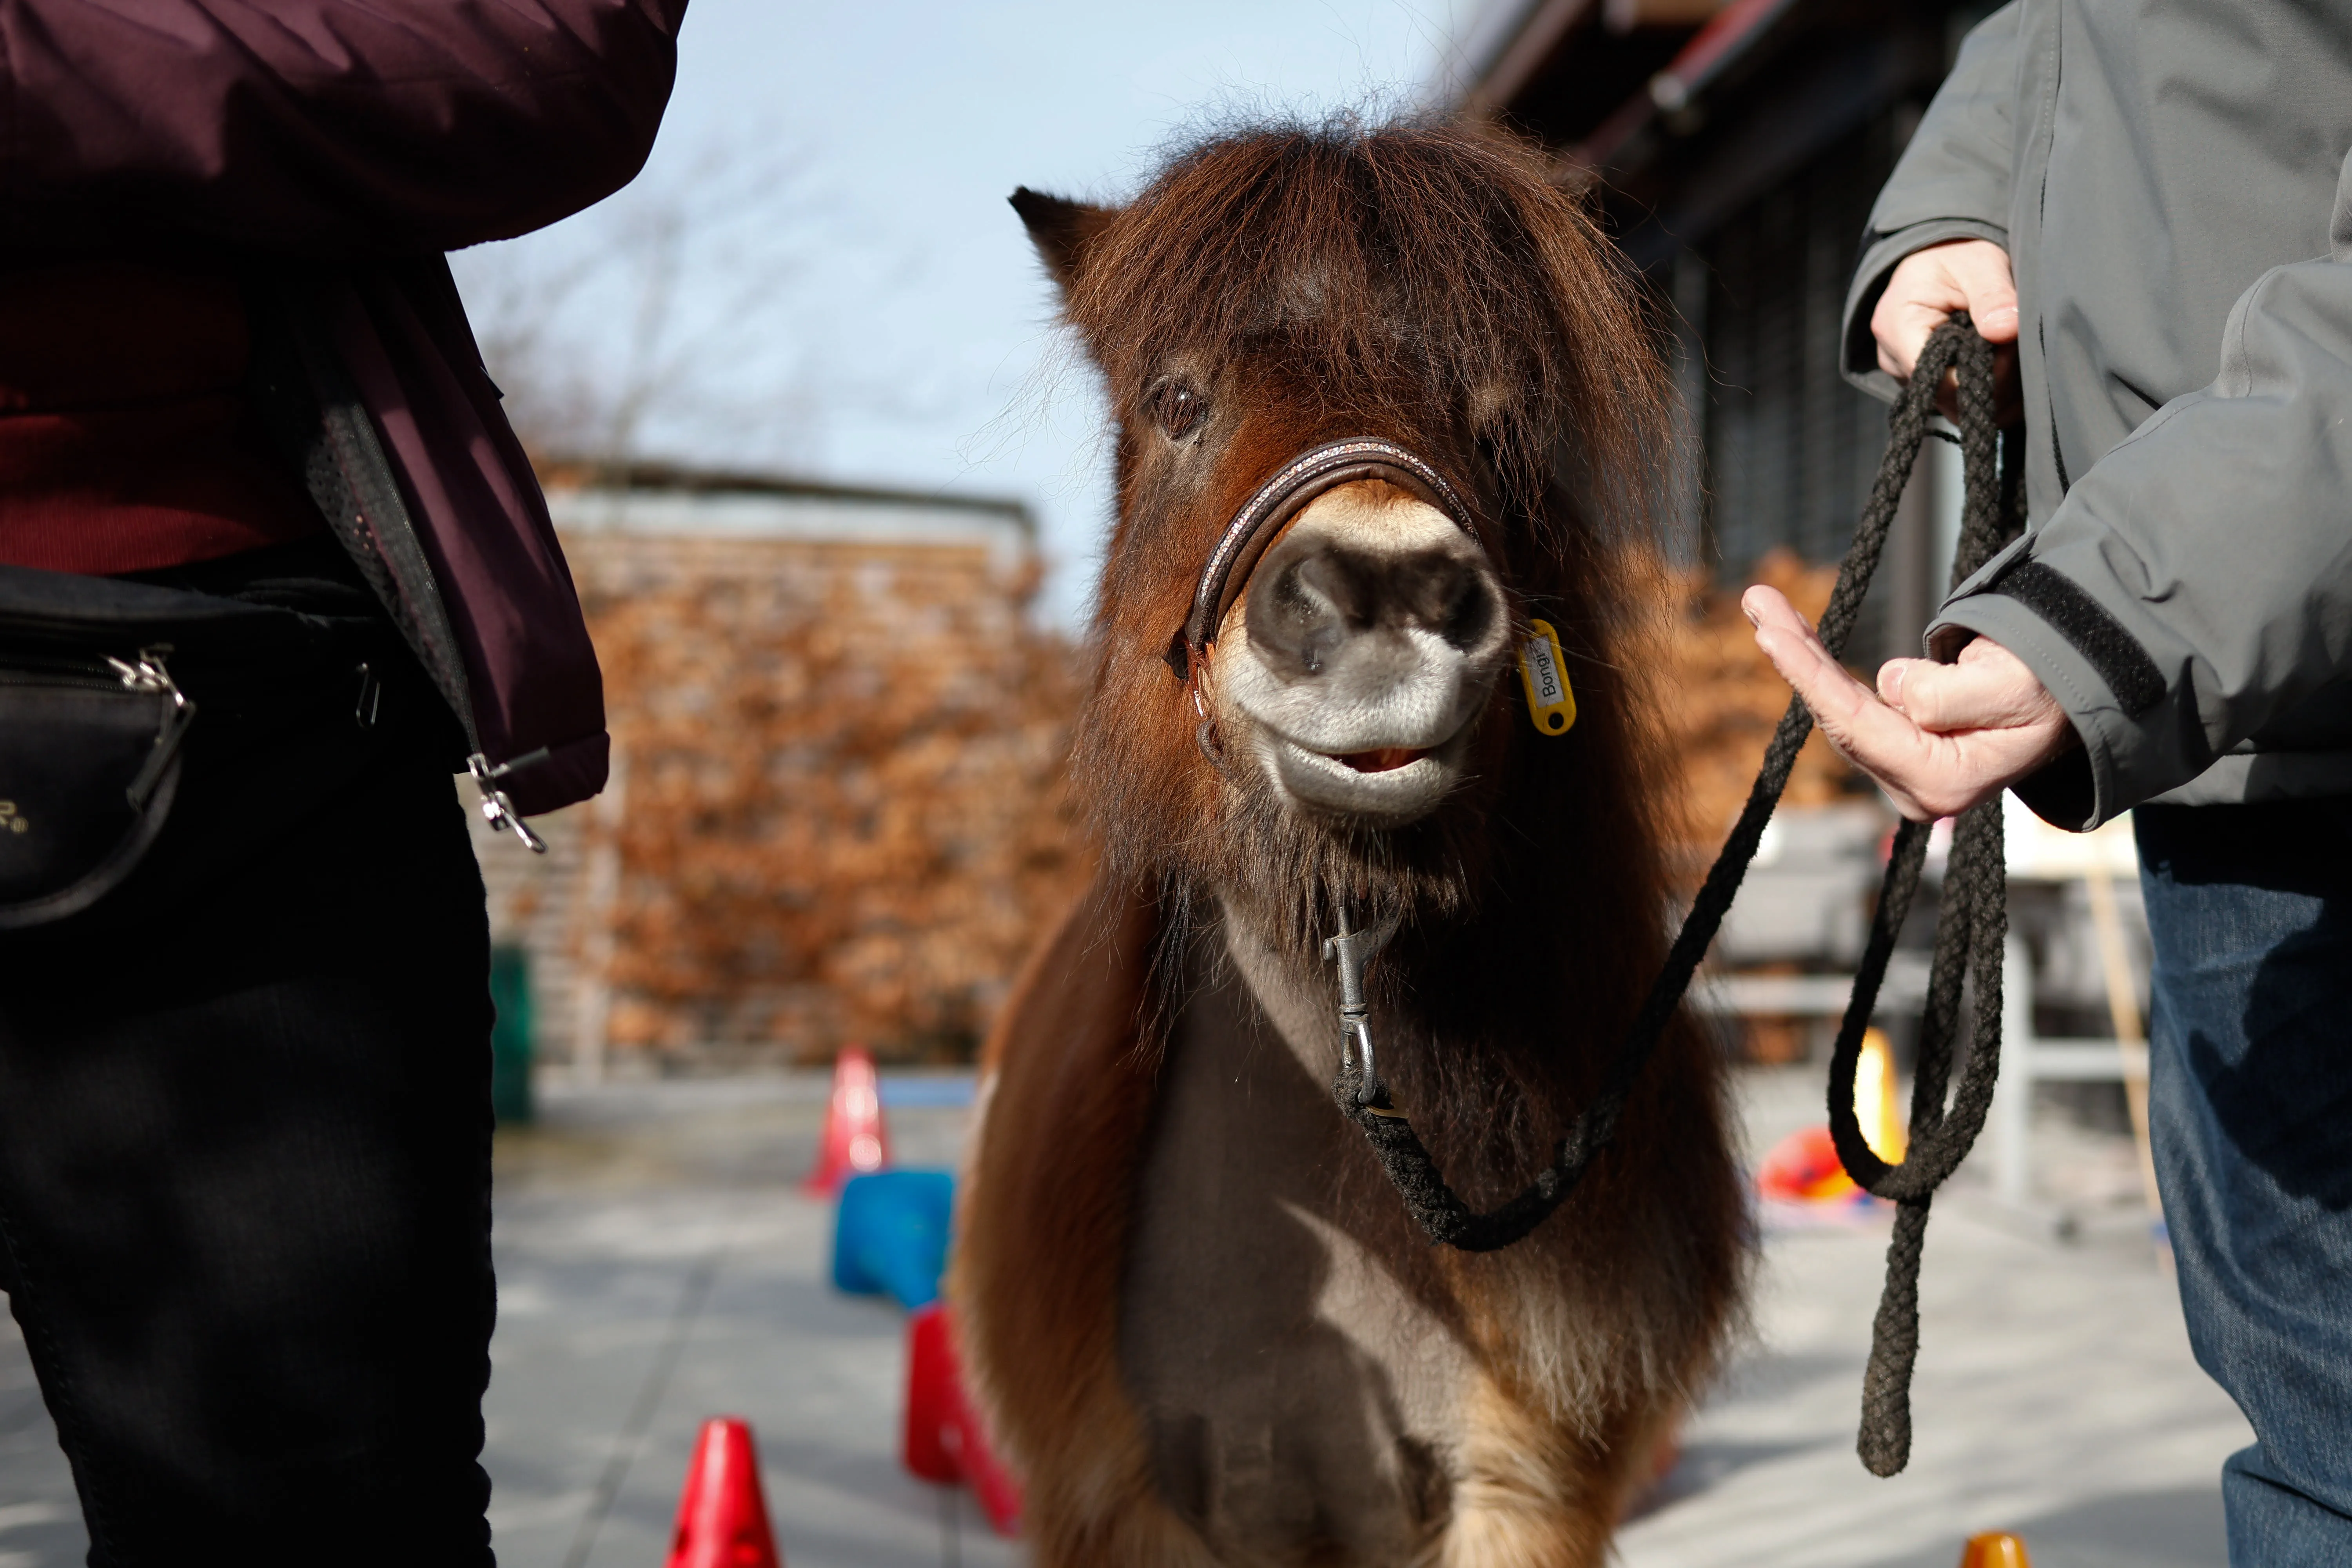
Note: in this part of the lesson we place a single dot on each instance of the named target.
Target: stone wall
(836, 810)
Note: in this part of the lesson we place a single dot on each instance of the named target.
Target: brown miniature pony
(1197, 1314)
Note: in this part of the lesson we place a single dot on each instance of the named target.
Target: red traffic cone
(1803, 1168)
(854, 1140)
(945, 1440)
(991, 1482)
(722, 1517)
(933, 1398)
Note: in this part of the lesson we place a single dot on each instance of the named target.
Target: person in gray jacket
(2147, 208)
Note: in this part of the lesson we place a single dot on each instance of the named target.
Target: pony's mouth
(1382, 759)
(1387, 784)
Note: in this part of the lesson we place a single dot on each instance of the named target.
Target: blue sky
(853, 297)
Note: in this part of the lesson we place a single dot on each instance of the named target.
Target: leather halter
(1254, 527)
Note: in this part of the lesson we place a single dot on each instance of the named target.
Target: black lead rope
(1971, 928)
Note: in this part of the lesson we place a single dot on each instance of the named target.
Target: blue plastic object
(890, 1235)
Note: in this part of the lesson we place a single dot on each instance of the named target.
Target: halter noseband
(1319, 469)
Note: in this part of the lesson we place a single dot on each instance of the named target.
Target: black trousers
(245, 1155)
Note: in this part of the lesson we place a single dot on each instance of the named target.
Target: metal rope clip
(1351, 949)
(497, 809)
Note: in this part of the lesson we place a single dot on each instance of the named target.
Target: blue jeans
(2250, 1103)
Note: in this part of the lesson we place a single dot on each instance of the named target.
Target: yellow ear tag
(1544, 673)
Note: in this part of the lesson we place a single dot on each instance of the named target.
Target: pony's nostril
(1301, 614)
(1448, 596)
(1440, 591)
(1312, 597)
(1460, 603)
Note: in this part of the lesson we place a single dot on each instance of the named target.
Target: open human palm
(1938, 738)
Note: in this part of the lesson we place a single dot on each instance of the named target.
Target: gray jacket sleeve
(1951, 183)
(2197, 583)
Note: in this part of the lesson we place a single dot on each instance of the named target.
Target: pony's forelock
(1431, 258)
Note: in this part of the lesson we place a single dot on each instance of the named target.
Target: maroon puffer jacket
(361, 138)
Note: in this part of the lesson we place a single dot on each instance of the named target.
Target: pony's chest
(1286, 1336)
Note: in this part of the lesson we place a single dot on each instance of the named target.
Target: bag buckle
(497, 809)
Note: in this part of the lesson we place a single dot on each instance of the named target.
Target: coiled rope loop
(1971, 929)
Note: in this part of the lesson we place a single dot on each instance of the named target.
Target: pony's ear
(1061, 229)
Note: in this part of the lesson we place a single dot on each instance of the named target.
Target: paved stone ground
(657, 1266)
(650, 1228)
(40, 1525)
(2054, 1396)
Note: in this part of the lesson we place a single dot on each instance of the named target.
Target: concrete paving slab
(656, 1266)
(2054, 1395)
(40, 1518)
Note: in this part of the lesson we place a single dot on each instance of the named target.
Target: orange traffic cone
(1997, 1549)
(944, 1439)
(723, 1516)
(854, 1140)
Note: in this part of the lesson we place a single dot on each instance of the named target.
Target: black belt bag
(95, 677)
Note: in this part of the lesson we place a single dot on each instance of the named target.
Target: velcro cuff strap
(2083, 621)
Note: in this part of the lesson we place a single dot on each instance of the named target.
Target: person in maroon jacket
(243, 1125)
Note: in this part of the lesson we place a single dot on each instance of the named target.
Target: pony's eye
(1178, 408)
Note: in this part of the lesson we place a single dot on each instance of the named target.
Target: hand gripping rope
(1972, 924)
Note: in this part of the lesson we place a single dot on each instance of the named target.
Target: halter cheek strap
(1255, 526)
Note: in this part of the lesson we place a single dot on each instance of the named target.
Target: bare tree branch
(675, 314)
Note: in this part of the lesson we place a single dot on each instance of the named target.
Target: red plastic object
(1803, 1168)
(934, 1397)
(722, 1515)
(945, 1441)
(991, 1482)
(854, 1141)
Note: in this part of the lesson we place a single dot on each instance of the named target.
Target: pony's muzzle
(1326, 598)
(1372, 633)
